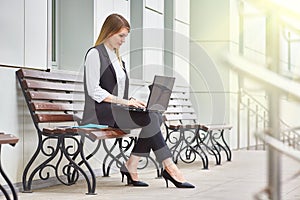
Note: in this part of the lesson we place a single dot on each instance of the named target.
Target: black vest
(101, 113)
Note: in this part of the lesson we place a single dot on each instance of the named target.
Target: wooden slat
(43, 95)
(179, 109)
(188, 116)
(43, 106)
(212, 127)
(193, 126)
(180, 89)
(171, 117)
(8, 139)
(47, 85)
(60, 130)
(188, 126)
(179, 95)
(179, 102)
(50, 75)
(43, 118)
(92, 133)
(174, 117)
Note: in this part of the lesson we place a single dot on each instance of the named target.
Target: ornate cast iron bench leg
(60, 150)
(109, 155)
(219, 135)
(185, 144)
(122, 155)
(27, 182)
(10, 185)
(91, 184)
(191, 147)
(205, 141)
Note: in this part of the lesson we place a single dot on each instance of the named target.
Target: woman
(106, 85)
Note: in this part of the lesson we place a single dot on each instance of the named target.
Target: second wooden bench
(187, 137)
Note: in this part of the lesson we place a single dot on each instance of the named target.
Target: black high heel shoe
(124, 171)
(168, 177)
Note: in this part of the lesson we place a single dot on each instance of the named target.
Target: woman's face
(115, 41)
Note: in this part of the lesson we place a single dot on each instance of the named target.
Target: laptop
(160, 92)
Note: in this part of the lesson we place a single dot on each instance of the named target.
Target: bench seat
(92, 133)
(187, 126)
(8, 139)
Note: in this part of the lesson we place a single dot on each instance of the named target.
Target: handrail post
(238, 118)
(274, 165)
(256, 125)
(272, 60)
(248, 124)
(266, 125)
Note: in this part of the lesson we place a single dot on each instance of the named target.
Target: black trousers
(150, 137)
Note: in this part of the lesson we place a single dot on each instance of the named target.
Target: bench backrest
(52, 96)
(180, 108)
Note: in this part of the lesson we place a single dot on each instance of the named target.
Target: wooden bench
(186, 137)
(12, 140)
(58, 98)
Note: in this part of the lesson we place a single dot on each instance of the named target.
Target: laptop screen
(160, 92)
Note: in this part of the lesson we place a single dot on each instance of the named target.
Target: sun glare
(290, 5)
(289, 11)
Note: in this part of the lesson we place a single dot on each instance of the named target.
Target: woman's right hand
(136, 103)
(130, 102)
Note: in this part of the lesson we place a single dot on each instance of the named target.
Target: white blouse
(120, 74)
(92, 71)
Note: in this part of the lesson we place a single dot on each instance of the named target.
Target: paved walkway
(236, 180)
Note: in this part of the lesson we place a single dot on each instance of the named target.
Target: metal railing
(283, 149)
(255, 114)
(275, 85)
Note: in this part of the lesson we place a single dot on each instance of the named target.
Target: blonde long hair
(112, 25)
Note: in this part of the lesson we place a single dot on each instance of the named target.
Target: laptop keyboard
(132, 108)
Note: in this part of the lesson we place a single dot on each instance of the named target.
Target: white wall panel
(122, 7)
(182, 54)
(210, 20)
(75, 32)
(12, 32)
(182, 10)
(155, 5)
(36, 34)
(103, 8)
(183, 29)
(10, 122)
(23, 35)
(153, 44)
